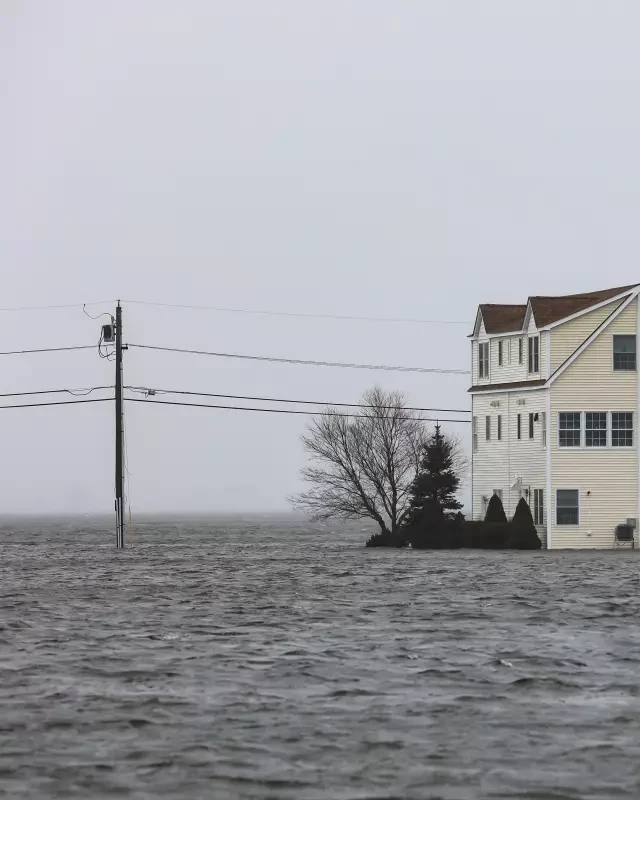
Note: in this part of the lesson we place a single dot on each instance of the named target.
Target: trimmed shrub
(444, 533)
(386, 539)
(495, 511)
(485, 534)
(522, 531)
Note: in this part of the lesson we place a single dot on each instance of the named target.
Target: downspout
(635, 425)
(508, 454)
(548, 501)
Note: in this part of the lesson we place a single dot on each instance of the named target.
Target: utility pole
(119, 434)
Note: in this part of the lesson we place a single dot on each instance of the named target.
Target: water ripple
(273, 658)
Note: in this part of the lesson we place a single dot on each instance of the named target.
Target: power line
(51, 307)
(146, 391)
(294, 313)
(75, 391)
(303, 361)
(58, 403)
(48, 349)
(281, 411)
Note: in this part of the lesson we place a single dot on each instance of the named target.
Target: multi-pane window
(538, 507)
(500, 353)
(510, 342)
(569, 429)
(595, 429)
(531, 424)
(519, 425)
(624, 352)
(483, 360)
(499, 427)
(621, 429)
(567, 506)
(520, 350)
(534, 354)
(544, 428)
(487, 428)
(475, 432)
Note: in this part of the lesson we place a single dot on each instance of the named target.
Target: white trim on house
(513, 333)
(496, 389)
(477, 324)
(547, 349)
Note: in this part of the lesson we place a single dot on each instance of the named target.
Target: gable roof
(550, 309)
(500, 319)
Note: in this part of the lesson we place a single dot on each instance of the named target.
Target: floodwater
(268, 657)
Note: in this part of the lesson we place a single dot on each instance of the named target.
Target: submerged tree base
(387, 539)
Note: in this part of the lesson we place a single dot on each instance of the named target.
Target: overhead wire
(52, 307)
(297, 314)
(153, 391)
(304, 361)
(75, 391)
(284, 411)
(46, 349)
(58, 403)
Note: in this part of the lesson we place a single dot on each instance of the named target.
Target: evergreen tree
(522, 531)
(495, 511)
(433, 492)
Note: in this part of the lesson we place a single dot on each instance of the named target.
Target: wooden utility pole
(119, 434)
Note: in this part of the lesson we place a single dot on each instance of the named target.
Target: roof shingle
(502, 318)
(550, 309)
(499, 319)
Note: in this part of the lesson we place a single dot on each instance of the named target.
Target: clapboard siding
(609, 474)
(498, 464)
(567, 337)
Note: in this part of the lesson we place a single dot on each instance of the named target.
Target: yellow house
(554, 410)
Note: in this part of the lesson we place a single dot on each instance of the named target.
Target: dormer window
(534, 354)
(483, 360)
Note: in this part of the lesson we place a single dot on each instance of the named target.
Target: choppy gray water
(274, 658)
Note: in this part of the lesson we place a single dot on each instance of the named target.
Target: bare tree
(363, 466)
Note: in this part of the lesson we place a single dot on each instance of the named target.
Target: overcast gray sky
(392, 159)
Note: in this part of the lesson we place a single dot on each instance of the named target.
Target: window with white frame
(567, 507)
(534, 354)
(519, 425)
(538, 507)
(483, 360)
(543, 422)
(624, 352)
(569, 429)
(499, 353)
(499, 427)
(510, 342)
(487, 427)
(622, 429)
(475, 432)
(531, 420)
(520, 350)
(595, 429)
